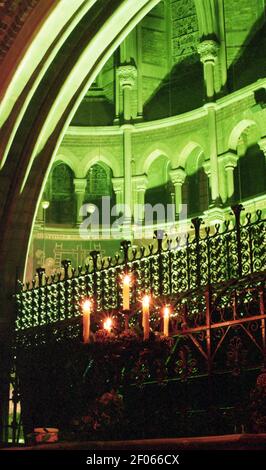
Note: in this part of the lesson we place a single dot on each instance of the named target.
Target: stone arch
(152, 155)
(249, 173)
(106, 161)
(195, 190)
(190, 156)
(62, 209)
(246, 127)
(35, 148)
(160, 187)
(69, 159)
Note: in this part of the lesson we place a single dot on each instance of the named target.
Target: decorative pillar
(139, 78)
(80, 191)
(214, 214)
(208, 51)
(118, 187)
(178, 176)
(141, 183)
(127, 75)
(230, 163)
(207, 168)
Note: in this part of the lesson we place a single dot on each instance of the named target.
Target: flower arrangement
(258, 405)
(103, 419)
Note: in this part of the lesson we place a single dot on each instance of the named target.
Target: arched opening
(195, 190)
(99, 186)
(62, 209)
(160, 189)
(249, 174)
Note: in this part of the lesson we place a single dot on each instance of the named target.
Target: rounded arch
(191, 157)
(246, 126)
(105, 161)
(152, 155)
(69, 159)
(43, 110)
(62, 209)
(195, 190)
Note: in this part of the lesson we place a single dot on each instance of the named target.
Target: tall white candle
(146, 316)
(86, 309)
(126, 292)
(166, 316)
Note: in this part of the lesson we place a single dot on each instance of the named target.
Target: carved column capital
(208, 51)
(229, 160)
(80, 185)
(127, 75)
(178, 176)
(141, 182)
(118, 184)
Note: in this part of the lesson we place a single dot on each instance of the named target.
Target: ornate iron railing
(166, 267)
(215, 283)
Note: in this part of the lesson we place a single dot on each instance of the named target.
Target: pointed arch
(190, 157)
(246, 125)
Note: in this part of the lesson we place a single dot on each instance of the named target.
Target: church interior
(132, 216)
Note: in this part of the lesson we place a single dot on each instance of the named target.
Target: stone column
(141, 183)
(80, 191)
(178, 176)
(208, 51)
(127, 75)
(213, 152)
(207, 168)
(118, 187)
(230, 163)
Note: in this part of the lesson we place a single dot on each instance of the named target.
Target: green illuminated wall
(197, 136)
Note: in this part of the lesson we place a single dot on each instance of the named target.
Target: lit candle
(108, 323)
(166, 316)
(146, 316)
(86, 309)
(126, 288)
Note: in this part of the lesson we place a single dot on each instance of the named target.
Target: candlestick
(86, 309)
(126, 292)
(146, 316)
(166, 316)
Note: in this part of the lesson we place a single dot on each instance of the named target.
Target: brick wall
(13, 14)
(242, 19)
(184, 29)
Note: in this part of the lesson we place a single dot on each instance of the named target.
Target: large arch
(36, 109)
(41, 130)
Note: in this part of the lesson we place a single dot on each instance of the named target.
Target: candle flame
(166, 312)
(86, 306)
(146, 301)
(108, 324)
(126, 279)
